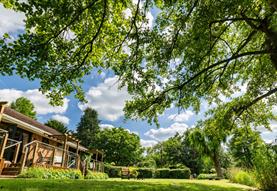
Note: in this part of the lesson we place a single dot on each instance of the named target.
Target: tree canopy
(175, 153)
(88, 128)
(24, 106)
(197, 49)
(120, 146)
(59, 126)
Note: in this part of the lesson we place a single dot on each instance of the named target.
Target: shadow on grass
(92, 185)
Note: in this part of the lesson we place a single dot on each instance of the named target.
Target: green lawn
(119, 185)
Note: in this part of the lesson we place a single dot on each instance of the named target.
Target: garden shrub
(162, 173)
(133, 172)
(265, 167)
(173, 173)
(207, 176)
(51, 173)
(180, 173)
(113, 171)
(240, 176)
(145, 172)
(96, 175)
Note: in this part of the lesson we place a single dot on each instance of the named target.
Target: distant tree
(24, 106)
(243, 145)
(55, 124)
(88, 128)
(120, 146)
(207, 140)
(176, 151)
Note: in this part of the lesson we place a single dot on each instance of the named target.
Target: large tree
(24, 106)
(88, 128)
(197, 49)
(120, 146)
(59, 126)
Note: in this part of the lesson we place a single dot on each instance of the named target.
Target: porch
(25, 142)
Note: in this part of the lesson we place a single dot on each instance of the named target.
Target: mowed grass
(119, 185)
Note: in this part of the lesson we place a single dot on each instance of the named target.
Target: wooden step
(10, 171)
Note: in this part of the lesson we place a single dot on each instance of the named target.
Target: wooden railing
(37, 153)
(4, 138)
(97, 166)
(7, 143)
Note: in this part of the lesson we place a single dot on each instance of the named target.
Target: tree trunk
(217, 165)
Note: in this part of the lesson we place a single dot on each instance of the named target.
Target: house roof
(30, 121)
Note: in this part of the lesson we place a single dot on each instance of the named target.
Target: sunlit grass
(119, 185)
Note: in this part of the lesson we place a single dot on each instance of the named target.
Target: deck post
(17, 147)
(53, 157)
(2, 107)
(64, 151)
(35, 153)
(3, 145)
(25, 152)
(77, 153)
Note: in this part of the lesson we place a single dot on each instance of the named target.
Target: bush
(51, 173)
(207, 176)
(173, 173)
(240, 176)
(113, 171)
(96, 175)
(162, 173)
(265, 161)
(133, 172)
(180, 173)
(145, 172)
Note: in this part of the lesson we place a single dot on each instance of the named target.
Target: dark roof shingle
(30, 121)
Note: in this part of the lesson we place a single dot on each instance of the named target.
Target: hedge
(113, 171)
(145, 172)
(207, 176)
(96, 175)
(51, 173)
(173, 173)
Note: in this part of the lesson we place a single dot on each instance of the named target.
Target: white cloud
(107, 99)
(150, 20)
(40, 101)
(127, 13)
(274, 110)
(109, 126)
(10, 21)
(165, 133)
(148, 143)
(185, 116)
(106, 126)
(61, 118)
(269, 136)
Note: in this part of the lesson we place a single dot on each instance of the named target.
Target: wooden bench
(125, 173)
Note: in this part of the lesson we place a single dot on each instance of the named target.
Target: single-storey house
(26, 142)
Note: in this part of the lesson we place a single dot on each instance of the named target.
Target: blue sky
(102, 94)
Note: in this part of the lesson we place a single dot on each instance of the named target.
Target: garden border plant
(51, 173)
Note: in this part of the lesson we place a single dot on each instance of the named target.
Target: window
(45, 140)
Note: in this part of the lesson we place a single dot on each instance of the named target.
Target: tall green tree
(24, 106)
(59, 126)
(120, 146)
(88, 128)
